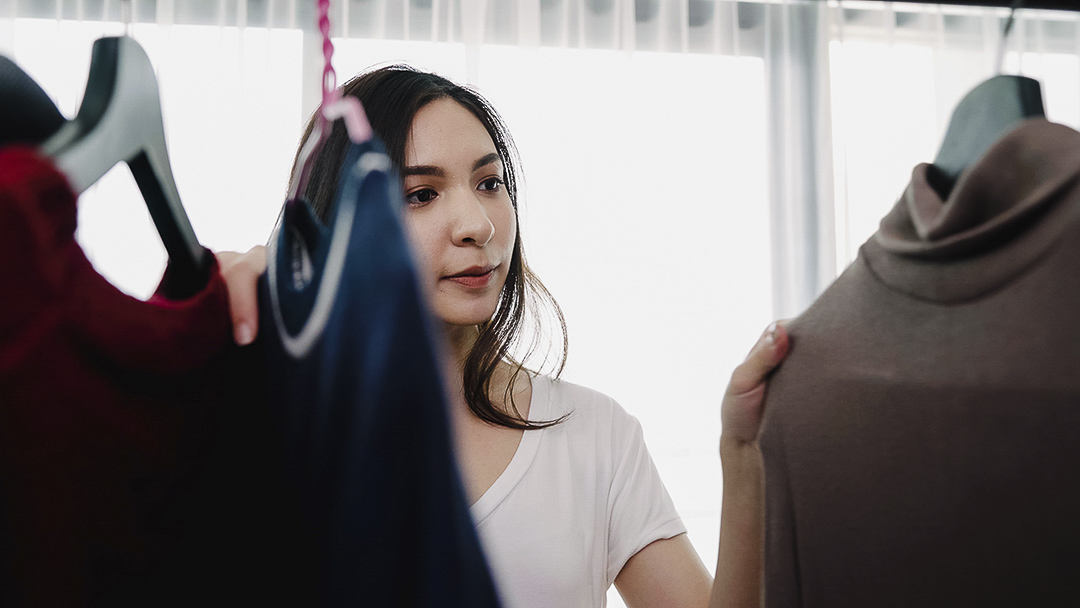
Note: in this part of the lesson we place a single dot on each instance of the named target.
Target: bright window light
(884, 123)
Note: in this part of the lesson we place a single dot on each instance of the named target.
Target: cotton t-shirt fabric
(353, 381)
(577, 501)
(103, 405)
(920, 440)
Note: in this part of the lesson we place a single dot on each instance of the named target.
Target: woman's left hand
(738, 564)
(744, 400)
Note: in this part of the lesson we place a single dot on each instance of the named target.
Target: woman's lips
(474, 277)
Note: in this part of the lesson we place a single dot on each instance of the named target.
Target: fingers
(743, 405)
(241, 274)
(763, 358)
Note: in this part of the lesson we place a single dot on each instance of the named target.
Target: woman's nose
(472, 225)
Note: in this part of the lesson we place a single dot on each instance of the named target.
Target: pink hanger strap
(335, 105)
(348, 109)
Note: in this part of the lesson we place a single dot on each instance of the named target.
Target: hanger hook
(126, 16)
(1005, 30)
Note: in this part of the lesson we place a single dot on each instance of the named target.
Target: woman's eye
(420, 197)
(491, 184)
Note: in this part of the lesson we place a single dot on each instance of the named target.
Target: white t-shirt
(575, 503)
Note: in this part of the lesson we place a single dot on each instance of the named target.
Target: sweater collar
(1002, 216)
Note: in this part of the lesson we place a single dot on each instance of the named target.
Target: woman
(458, 169)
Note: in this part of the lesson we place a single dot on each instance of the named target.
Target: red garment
(103, 401)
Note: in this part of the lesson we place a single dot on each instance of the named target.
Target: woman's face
(458, 212)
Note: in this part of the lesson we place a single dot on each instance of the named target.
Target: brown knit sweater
(922, 440)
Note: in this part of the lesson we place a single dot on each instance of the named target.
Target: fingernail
(770, 334)
(244, 334)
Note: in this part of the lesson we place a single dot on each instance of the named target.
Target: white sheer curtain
(693, 168)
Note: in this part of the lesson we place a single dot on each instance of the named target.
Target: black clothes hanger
(1052, 5)
(983, 116)
(27, 114)
(120, 120)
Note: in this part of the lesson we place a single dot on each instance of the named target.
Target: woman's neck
(461, 339)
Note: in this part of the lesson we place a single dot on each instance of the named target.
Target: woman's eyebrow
(486, 159)
(423, 170)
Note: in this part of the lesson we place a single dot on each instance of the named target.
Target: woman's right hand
(241, 273)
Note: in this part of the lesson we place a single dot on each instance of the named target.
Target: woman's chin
(465, 311)
(465, 320)
(464, 316)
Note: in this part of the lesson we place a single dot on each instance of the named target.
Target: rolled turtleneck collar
(1002, 216)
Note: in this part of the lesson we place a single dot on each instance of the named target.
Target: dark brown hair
(391, 97)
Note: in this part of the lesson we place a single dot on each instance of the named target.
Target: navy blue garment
(354, 383)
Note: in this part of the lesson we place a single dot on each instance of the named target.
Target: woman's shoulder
(582, 406)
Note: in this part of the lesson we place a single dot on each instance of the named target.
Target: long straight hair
(391, 97)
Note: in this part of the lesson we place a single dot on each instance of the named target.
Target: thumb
(744, 399)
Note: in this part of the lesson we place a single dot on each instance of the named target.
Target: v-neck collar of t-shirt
(539, 407)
